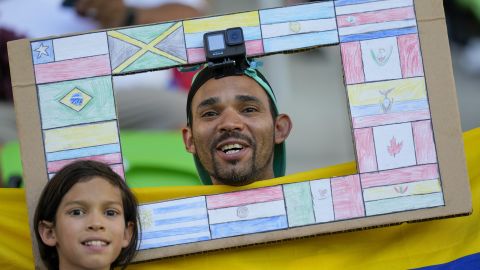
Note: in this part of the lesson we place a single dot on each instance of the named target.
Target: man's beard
(237, 176)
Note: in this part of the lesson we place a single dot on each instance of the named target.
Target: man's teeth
(232, 148)
(96, 243)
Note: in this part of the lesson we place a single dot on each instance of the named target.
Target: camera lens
(234, 36)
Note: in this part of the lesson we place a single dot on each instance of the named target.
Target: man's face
(232, 131)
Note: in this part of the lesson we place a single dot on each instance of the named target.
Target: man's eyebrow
(247, 98)
(208, 102)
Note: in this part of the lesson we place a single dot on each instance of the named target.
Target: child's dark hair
(61, 183)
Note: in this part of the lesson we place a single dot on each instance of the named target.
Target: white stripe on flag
(175, 202)
(247, 212)
(322, 200)
(297, 27)
(372, 6)
(201, 222)
(365, 28)
(80, 46)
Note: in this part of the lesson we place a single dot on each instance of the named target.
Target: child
(86, 218)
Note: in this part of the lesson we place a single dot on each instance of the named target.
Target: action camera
(225, 51)
(223, 45)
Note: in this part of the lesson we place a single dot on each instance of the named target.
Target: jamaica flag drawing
(147, 47)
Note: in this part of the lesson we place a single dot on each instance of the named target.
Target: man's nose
(231, 120)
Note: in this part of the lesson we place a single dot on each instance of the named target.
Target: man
(234, 129)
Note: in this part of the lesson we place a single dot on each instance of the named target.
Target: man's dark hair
(61, 183)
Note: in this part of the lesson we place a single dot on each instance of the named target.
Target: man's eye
(111, 212)
(250, 110)
(209, 114)
(76, 212)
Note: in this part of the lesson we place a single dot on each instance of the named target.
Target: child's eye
(111, 212)
(76, 212)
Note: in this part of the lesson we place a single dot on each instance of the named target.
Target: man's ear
(283, 125)
(188, 139)
(46, 230)
(127, 235)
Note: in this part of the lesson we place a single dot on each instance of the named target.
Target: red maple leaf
(394, 148)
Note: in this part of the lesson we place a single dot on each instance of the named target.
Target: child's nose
(96, 227)
(96, 222)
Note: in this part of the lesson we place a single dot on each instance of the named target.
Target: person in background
(117, 13)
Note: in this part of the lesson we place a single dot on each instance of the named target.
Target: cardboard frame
(426, 139)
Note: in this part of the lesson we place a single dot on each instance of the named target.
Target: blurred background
(309, 85)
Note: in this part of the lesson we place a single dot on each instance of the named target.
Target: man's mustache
(229, 135)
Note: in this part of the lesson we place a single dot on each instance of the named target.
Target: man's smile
(232, 150)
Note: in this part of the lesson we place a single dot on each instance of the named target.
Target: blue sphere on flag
(76, 99)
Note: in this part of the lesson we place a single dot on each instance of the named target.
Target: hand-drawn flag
(389, 102)
(382, 59)
(347, 197)
(322, 200)
(147, 47)
(94, 141)
(402, 189)
(298, 200)
(296, 27)
(394, 146)
(196, 28)
(70, 58)
(174, 222)
(76, 102)
(367, 19)
(246, 212)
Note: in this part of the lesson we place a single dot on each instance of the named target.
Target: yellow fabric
(398, 247)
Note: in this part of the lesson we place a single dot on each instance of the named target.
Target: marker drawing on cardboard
(147, 47)
(296, 27)
(70, 58)
(174, 222)
(392, 120)
(246, 212)
(363, 20)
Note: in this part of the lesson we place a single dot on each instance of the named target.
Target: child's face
(90, 227)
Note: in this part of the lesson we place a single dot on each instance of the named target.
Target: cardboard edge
(444, 105)
(29, 129)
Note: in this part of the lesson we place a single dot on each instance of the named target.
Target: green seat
(151, 159)
(10, 162)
